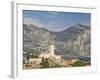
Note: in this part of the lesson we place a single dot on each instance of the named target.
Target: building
(51, 49)
(35, 60)
(48, 54)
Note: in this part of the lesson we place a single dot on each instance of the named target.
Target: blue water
(87, 59)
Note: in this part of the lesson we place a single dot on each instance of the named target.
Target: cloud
(53, 26)
(50, 25)
(52, 14)
(28, 21)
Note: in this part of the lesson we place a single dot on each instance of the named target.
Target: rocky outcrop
(82, 44)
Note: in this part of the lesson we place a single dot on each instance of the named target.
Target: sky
(55, 21)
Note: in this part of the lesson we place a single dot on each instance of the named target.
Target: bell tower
(51, 48)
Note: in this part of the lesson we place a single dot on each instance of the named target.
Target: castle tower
(51, 48)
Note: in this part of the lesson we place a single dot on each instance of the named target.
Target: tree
(44, 63)
(28, 56)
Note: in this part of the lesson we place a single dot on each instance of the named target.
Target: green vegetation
(44, 63)
(56, 65)
(33, 56)
(28, 56)
(78, 63)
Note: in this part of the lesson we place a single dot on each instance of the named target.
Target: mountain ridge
(36, 38)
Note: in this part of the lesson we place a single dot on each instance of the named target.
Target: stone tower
(51, 48)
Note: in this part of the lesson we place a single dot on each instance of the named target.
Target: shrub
(44, 63)
(78, 63)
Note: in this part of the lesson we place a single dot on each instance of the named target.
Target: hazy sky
(55, 21)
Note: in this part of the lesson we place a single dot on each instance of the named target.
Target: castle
(49, 54)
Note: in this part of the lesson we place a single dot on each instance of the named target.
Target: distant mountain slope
(71, 42)
(82, 44)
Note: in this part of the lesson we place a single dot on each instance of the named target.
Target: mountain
(71, 42)
(82, 44)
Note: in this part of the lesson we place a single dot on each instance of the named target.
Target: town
(49, 59)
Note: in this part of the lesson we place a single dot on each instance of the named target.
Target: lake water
(87, 59)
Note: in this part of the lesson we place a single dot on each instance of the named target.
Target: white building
(51, 49)
(33, 60)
